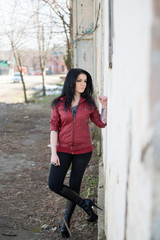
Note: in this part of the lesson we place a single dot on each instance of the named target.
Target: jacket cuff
(52, 128)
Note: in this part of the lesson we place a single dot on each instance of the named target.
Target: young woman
(71, 140)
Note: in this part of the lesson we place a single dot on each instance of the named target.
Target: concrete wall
(154, 96)
(132, 174)
(83, 26)
(128, 177)
(131, 142)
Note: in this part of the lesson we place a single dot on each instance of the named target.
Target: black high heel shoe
(85, 204)
(93, 204)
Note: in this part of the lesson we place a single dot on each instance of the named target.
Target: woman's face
(81, 83)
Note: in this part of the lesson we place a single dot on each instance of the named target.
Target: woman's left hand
(103, 100)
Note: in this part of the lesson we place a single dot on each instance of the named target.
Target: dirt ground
(29, 210)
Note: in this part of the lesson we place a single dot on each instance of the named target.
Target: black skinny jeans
(58, 173)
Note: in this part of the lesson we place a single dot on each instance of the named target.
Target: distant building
(56, 64)
(4, 67)
(24, 69)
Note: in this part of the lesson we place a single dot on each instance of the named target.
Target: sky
(17, 16)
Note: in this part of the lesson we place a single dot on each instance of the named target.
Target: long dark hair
(69, 88)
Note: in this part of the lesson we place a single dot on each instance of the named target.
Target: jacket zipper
(73, 130)
(74, 119)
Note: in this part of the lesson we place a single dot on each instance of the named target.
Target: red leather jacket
(74, 135)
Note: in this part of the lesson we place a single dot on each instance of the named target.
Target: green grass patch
(87, 193)
(36, 230)
(60, 84)
(43, 100)
(90, 183)
(16, 134)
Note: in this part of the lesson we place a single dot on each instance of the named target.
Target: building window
(110, 21)
(62, 68)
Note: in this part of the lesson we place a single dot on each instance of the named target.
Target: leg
(68, 193)
(79, 165)
(56, 179)
(58, 173)
(70, 206)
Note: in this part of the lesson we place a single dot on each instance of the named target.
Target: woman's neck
(76, 99)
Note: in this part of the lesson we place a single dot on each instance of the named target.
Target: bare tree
(64, 14)
(36, 19)
(44, 34)
(15, 33)
(17, 56)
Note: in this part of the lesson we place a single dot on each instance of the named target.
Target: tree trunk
(24, 87)
(18, 62)
(43, 81)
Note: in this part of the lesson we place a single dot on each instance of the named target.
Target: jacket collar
(81, 99)
(62, 99)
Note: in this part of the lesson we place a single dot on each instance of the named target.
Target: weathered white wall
(154, 94)
(128, 178)
(83, 25)
(131, 152)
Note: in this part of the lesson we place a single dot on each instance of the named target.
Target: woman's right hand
(55, 159)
